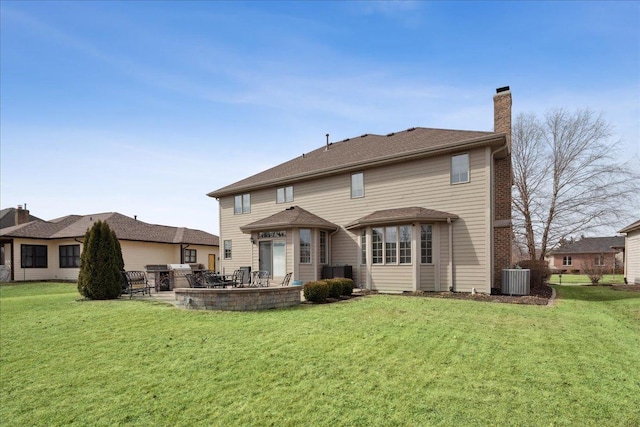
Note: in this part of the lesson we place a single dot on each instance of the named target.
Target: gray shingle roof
(126, 228)
(400, 215)
(364, 151)
(8, 217)
(591, 245)
(294, 216)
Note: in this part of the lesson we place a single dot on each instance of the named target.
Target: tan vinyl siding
(35, 273)
(632, 248)
(427, 278)
(391, 278)
(422, 183)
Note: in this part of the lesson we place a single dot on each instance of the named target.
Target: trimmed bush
(335, 287)
(101, 264)
(347, 286)
(316, 291)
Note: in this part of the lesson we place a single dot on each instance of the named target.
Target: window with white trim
(284, 194)
(323, 247)
(390, 245)
(404, 244)
(305, 246)
(363, 246)
(376, 245)
(460, 168)
(426, 244)
(357, 185)
(227, 249)
(242, 204)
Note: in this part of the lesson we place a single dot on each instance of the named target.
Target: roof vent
(502, 89)
(391, 134)
(345, 140)
(411, 129)
(290, 208)
(326, 149)
(362, 136)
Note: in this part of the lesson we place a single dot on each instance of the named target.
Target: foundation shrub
(347, 286)
(335, 287)
(316, 291)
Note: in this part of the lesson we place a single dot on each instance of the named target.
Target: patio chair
(236, 278)
(286, 280)
(194, 281)
(260, 278)
(212, 280)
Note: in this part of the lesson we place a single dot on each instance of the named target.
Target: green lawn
(582, 279)
(372, 361)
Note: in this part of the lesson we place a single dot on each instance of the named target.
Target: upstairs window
(284, 194)
(242, 204)
(460, 168)
(357, 185)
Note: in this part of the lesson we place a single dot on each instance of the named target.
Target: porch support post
(415, 255)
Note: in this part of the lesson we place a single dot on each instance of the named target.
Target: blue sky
(144, 107)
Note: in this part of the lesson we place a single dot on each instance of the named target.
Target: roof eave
(498, 139)
(406, 220)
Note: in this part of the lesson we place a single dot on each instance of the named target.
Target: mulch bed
(632, 288)
(539, 295)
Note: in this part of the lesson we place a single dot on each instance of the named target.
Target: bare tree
(566, 178)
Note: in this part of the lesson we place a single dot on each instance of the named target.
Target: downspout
(182, 248)
(452, 288)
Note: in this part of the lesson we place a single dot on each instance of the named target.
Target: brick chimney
(502, 180)
(502, 112)
(22, 215)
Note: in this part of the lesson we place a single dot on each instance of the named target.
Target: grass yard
(583, 279)
(373, 361)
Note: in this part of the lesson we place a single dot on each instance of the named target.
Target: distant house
(421, 209)
(573, 257)
(50, 250)
(632, 253)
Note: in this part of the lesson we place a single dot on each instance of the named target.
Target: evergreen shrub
(101, 264)
(335, 287)
(316, 291)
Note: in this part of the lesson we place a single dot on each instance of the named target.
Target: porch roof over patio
(401, 215)
(293, 217)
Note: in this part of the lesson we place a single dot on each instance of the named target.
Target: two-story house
(421, 209)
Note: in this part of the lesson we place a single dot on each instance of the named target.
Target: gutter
(395, 158)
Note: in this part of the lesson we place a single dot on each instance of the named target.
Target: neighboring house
(602, 252)
(422, 209)
(632, 253)
(50, 250)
